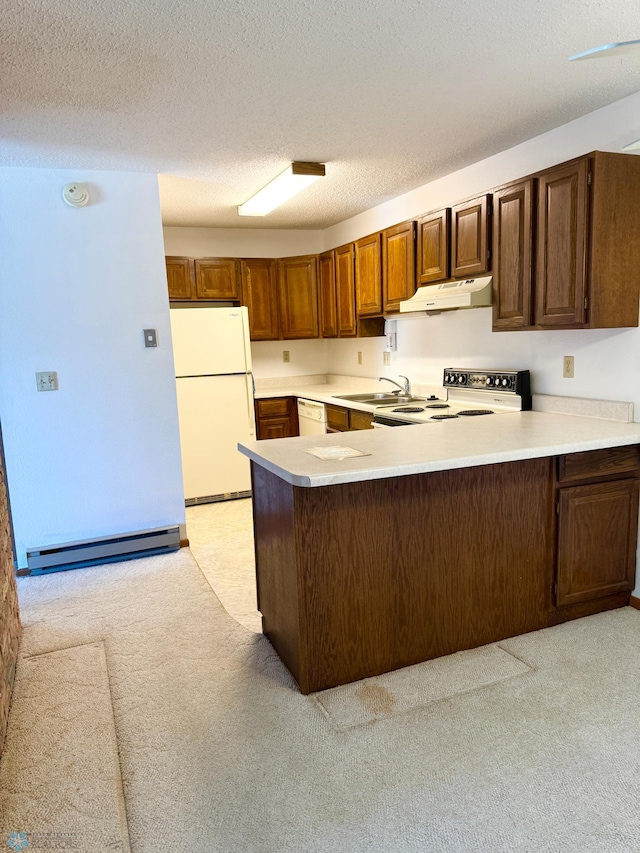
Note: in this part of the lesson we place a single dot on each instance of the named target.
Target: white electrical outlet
(359, 357)
(47, 380)
(567, 367)
(286, 357)
(386, 358)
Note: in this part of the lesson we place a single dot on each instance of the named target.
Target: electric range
(469, 393)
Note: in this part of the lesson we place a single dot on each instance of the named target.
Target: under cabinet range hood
(463, 293)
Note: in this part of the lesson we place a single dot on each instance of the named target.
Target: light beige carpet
(220, 753)
(60, 774)
(221, 540)
(413, 687)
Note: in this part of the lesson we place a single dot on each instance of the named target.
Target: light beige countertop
(437, 446)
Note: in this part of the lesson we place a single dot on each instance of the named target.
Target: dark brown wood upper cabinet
(513, 220)
(587, 258)
(327, 295)
(368, 276)
(298, 297)
(181, 277)
(398, 265)
(346, 291)
(218, 278)
(470, 237)
(260, 295)
(563, 219)
(433, 246)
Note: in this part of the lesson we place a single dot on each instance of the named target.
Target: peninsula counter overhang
(423, 448)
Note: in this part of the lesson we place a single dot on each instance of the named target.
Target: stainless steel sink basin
(380, 399)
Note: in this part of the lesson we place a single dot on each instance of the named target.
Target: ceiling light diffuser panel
(616, 48)
(293, 180)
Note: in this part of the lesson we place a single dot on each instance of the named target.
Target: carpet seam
(212, 588)
(123, 797)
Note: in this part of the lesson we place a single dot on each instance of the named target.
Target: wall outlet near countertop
(386, 358)
(567, 367)
(286, 356)
(359, 357)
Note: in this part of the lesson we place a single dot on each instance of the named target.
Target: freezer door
(215, 412)
(209, 341)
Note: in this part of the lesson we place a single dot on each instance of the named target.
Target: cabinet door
(562, 245)
(434, 241)
(217, 278)
(275, 428)
(346, 291)
(470, 237)
(181, 277)
(368, 276)
(327, 295)
(398, 265)
(512, 256)
(298, 297)
(260, 295)
(597, 533)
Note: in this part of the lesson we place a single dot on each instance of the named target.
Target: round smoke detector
(75, 195)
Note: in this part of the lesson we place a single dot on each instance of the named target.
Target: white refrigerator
(212, 358)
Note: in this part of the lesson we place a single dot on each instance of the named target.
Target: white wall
(307, 358)
(240, 242)
(101, 456)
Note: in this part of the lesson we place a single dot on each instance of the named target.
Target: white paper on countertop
(339, 452)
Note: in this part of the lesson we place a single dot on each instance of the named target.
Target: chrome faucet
(406, 388)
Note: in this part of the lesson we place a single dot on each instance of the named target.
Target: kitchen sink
(380, 399)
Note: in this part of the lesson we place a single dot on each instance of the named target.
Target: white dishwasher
(312, 417)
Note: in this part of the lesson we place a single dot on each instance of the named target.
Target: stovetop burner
(438, 406)
(442, 417)
(473, 412)
(409, 409)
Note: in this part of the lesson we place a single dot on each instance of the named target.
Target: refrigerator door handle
(250, 404)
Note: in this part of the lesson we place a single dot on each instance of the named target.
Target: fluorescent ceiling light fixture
(295, 178)
(614, 49)
(632, 146)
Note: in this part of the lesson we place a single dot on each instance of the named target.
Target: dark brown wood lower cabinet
(597, 535)
(341, 419)
(277, 417)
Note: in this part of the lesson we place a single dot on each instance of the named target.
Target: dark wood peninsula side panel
(362, 578)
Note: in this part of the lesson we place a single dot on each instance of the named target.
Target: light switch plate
(150, 337)
(47, 380)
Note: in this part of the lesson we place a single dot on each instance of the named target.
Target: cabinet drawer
(338, 418)
(597, 463)
(360, 420)
(273, 407)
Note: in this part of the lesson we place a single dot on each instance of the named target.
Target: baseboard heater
(210, 499)
(112, 549)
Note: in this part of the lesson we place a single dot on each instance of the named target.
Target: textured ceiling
(218, 96)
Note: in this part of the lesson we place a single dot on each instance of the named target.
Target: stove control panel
(513, 381)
